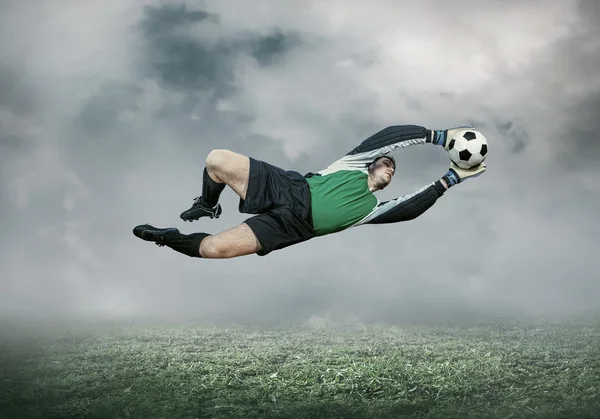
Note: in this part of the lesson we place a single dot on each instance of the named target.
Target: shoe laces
(159, 236)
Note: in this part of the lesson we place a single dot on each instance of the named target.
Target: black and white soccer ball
(468, 148)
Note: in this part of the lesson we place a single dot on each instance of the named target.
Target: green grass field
(127, 370)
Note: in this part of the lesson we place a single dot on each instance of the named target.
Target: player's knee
(208, 249)
(217, 160)
(212, 249)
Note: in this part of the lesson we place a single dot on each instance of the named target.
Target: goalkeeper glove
(457, 175)
(443, 136)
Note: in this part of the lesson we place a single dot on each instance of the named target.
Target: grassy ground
(505, 370)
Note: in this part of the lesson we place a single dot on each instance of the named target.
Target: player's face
(383, 172)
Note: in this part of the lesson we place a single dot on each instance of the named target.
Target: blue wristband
(439, 137)
(451, 178)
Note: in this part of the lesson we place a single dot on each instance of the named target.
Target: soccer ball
(468, 148)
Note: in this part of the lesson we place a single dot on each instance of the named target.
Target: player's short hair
(374, 162)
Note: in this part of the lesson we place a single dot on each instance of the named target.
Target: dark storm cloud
(517, 137)
(182, 61)
(268, 48)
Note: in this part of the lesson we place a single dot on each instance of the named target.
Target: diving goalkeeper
(291, 208)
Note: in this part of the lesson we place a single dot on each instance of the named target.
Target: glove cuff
(451, 178)
(437, 137)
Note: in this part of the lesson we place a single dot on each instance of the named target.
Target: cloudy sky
(108, 110)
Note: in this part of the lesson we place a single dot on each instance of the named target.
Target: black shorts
(282, 201)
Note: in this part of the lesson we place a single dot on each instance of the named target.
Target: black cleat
(198, 210)
(153, 234)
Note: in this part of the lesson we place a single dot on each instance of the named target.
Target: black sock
(211, 190)
(188, 244)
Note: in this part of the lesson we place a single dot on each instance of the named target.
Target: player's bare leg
(223, 168)
(237, 241)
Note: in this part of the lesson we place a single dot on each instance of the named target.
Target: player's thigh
(237, 241)
(231, 168)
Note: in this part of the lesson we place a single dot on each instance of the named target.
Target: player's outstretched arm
(387, 140)
(392, 137)
(380, 144)
(407, 207)
(411, 206)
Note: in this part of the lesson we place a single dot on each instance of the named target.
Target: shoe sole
(190, 219)
(197, 218)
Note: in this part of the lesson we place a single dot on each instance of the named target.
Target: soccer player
(291, 208)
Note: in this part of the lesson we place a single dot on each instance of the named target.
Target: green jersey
(340, 194)
(339, 200)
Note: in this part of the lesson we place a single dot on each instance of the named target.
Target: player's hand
(457, 175)
(443, 137)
